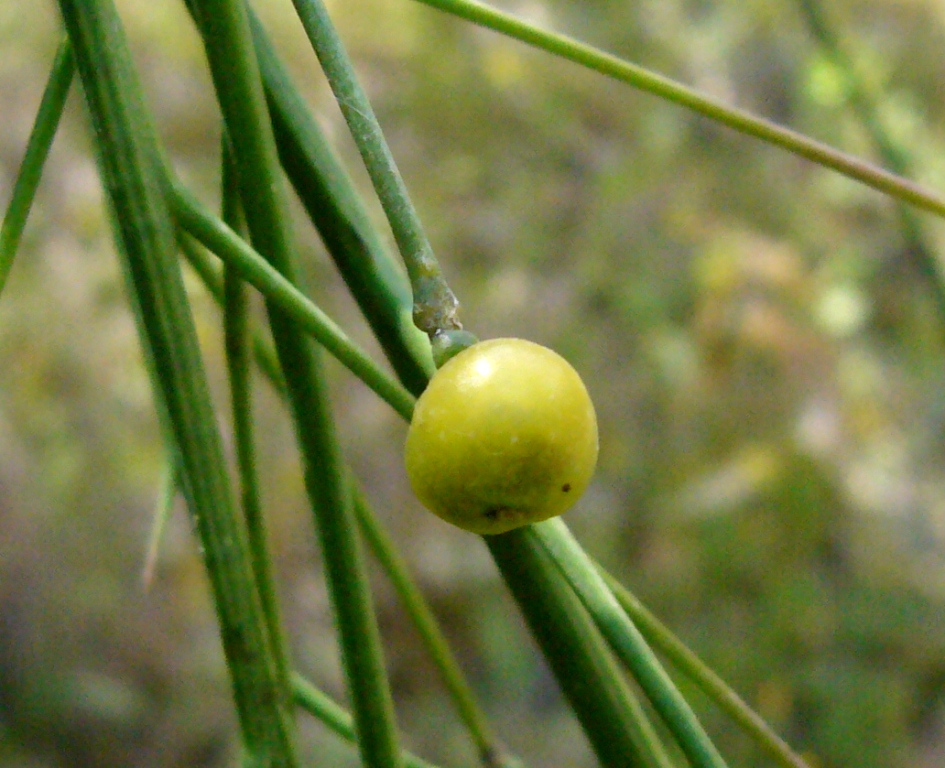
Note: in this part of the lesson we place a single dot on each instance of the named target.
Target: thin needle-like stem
(895, 156)
(227, 37)
(435, 306)
(664, 641)
(437, 646)
(37, 149)
(223, 241)
(236, 335)
(627, 642)
(738, 119)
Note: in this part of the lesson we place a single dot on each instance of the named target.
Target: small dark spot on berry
(566, 487)
(492, 513)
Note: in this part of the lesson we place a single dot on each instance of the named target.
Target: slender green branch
(225, 29)
(209, 271)
(37, 148)
(135, 181)
(336, 718)
(236, 333)
(613, 719)
(220, 239)
(661, 638)
(435, 308)
(626, 640)
(335, 207)
(737, 119)
(437, 646)
(894, 155)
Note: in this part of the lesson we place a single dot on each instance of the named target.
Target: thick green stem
(612, 718)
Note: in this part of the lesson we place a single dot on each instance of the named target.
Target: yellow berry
(504, 435)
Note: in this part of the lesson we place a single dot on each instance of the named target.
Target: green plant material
(895, 156)
(445, 345)
(228, 41)
(334, 206)
(336, 718)
(435, 308)
(627, 642)
(236, 334)
(392, 563)
(210, 273)
(432, 636)
(281, 293)
(167, 491)
(37, 149)
(135, 184)
(614, 721)
(744, 122)
(664, 641)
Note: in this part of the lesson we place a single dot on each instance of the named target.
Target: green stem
(239, 366)
(37, 149)
(895, 156)
(437, 646)
(334, 205)
(627, 642)
(337, 719)
(737, 119)
(228, 41)
(613, 719)
(661, 638)
(136, 185)
(435, 307)
(211, 275)
(281, 293)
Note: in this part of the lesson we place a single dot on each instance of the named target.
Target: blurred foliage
(766, 362)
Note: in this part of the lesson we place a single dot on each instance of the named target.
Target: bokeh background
(766, 359)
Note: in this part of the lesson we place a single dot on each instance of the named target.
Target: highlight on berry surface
(504, 435)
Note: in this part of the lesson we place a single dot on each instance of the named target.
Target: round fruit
(504, 435)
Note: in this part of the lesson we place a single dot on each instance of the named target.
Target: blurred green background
(765, 358)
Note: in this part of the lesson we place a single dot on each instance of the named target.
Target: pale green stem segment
(737, 119)
(627, 642)
(336, 208)
(37, 149)
(235, 251)
(663, 640)
(435, 306)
